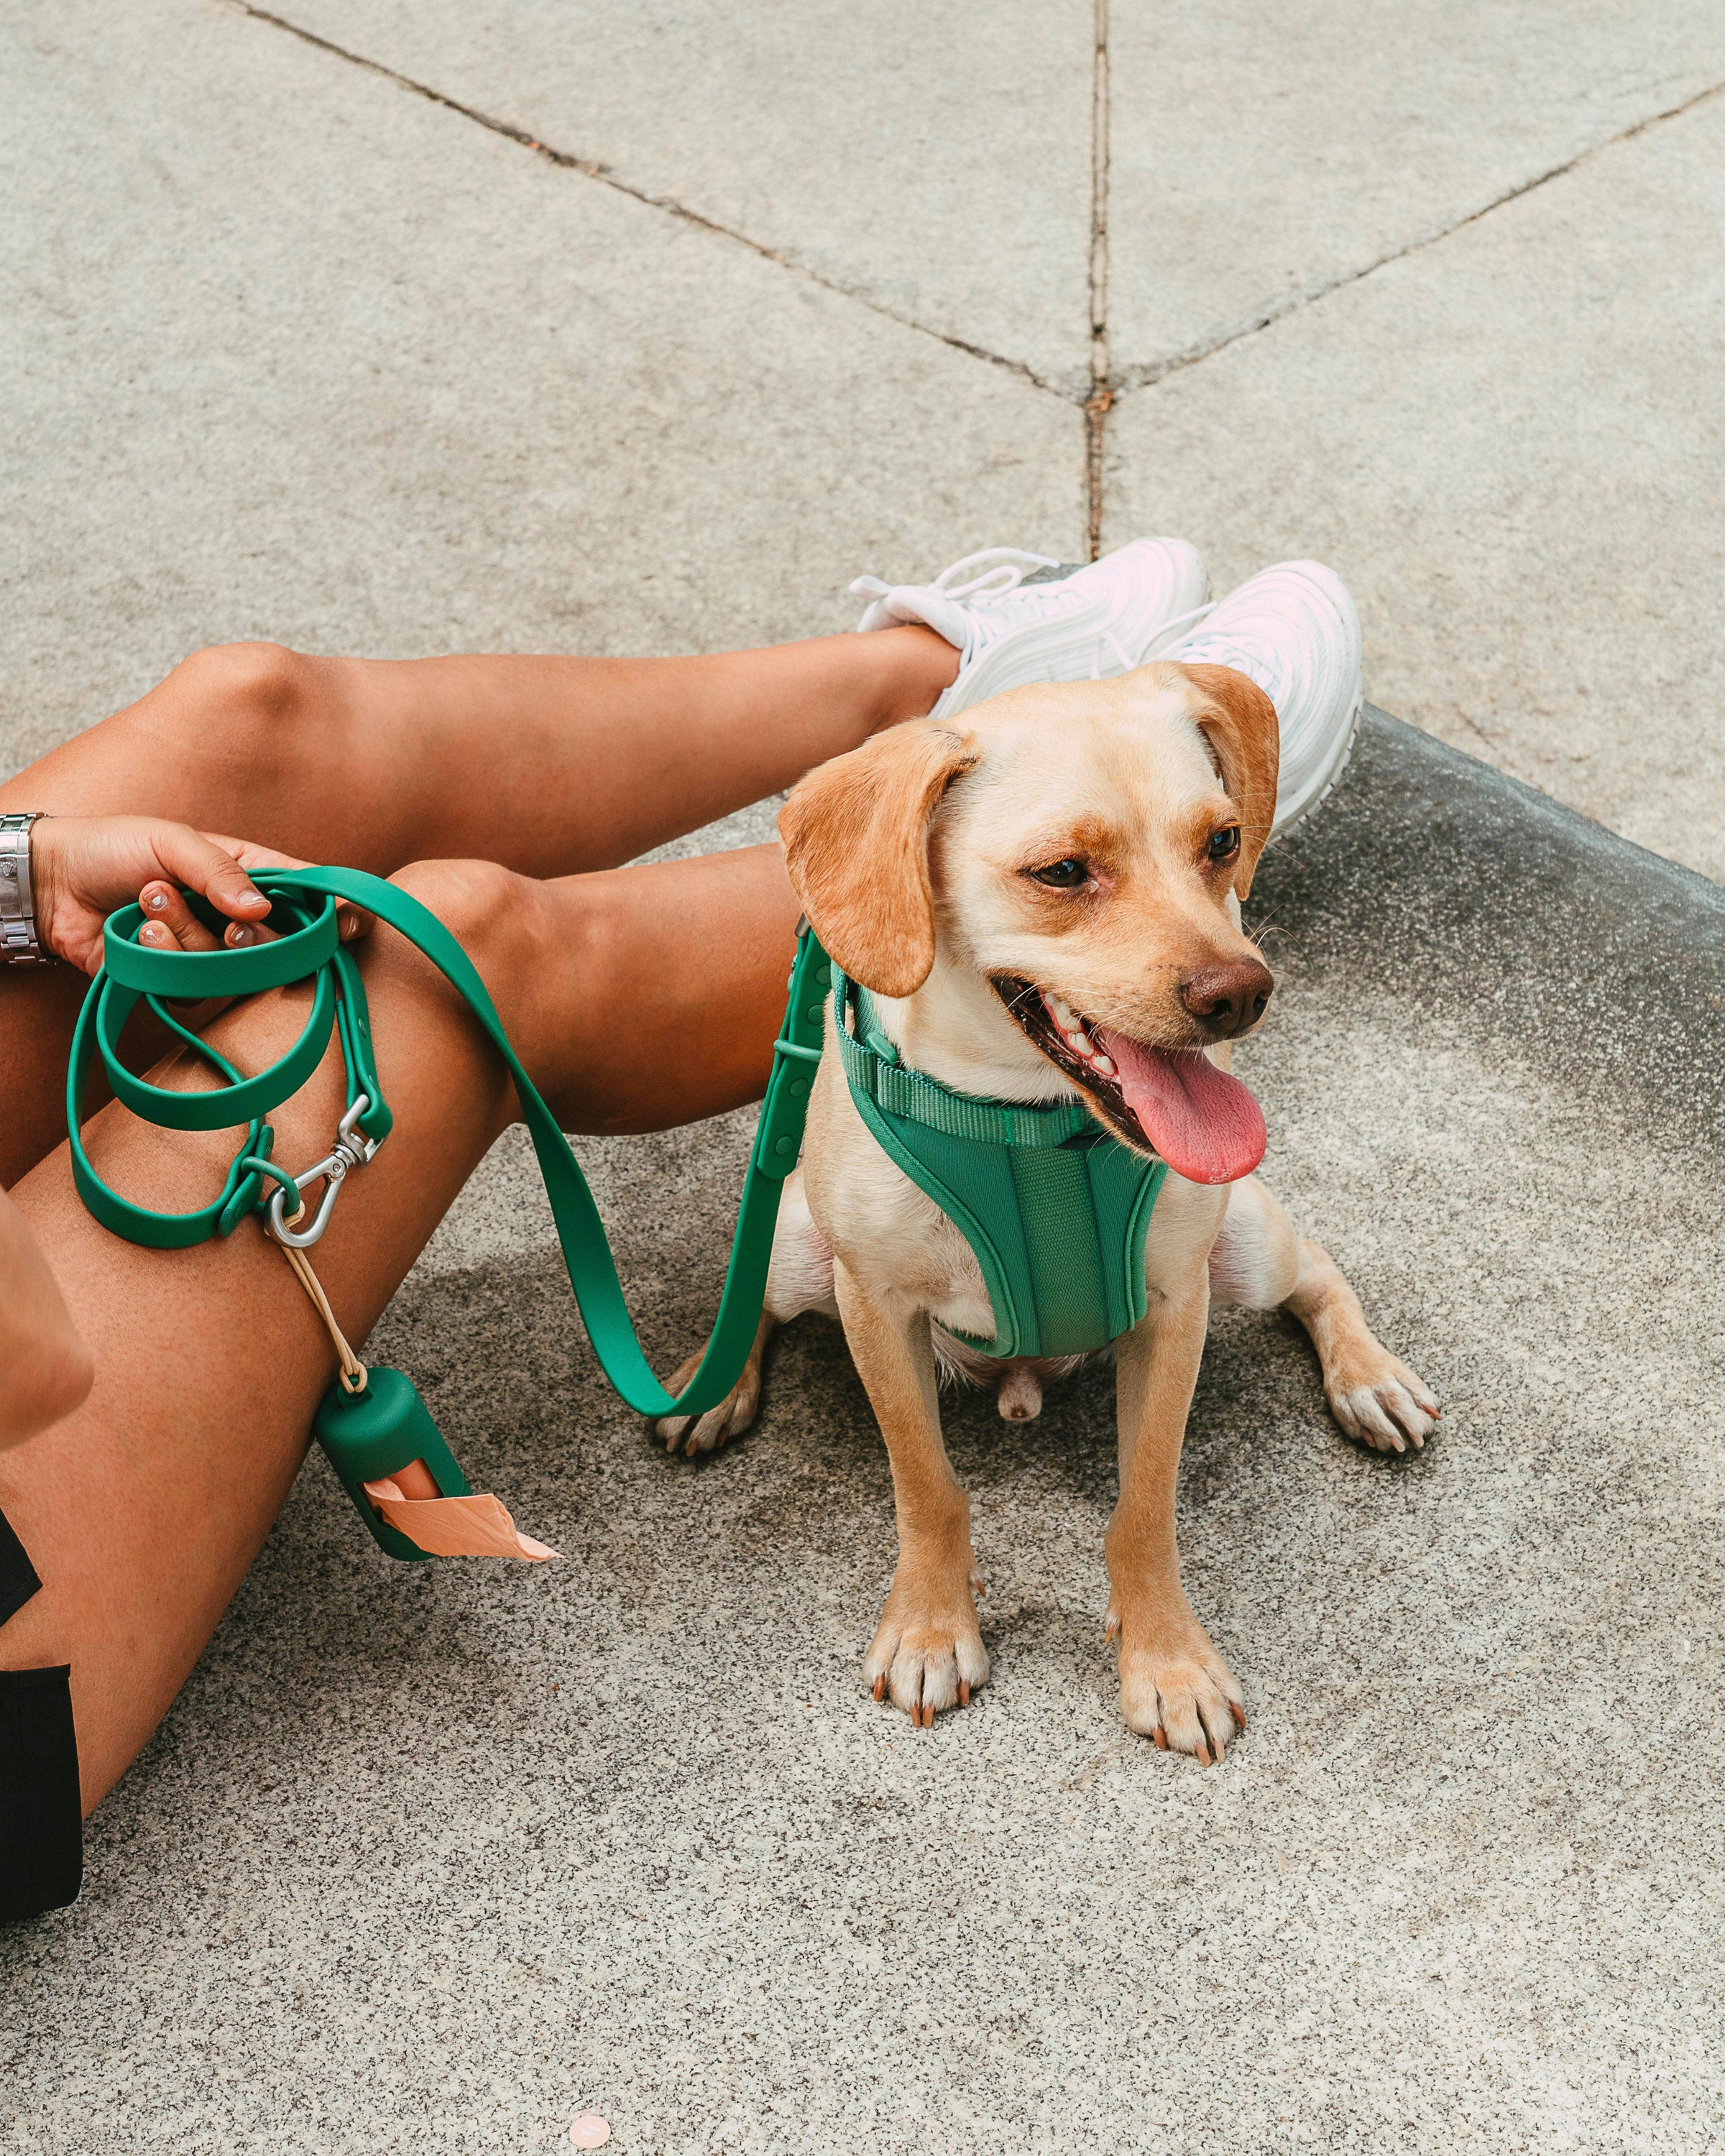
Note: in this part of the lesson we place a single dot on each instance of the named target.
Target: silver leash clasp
(352, 1149)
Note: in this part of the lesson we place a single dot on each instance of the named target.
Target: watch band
(19, 943)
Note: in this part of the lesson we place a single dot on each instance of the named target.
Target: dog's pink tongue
(1203, 1123)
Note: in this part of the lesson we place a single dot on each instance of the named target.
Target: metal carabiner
(352, 1149)
(350, 1138)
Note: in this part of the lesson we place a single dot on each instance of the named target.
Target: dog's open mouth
(1203, 1123)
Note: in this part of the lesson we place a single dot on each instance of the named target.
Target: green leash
(380, 1429)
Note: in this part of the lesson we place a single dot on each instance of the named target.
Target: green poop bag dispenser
(367, 1435)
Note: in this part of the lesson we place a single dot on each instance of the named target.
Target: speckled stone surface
(438, 1858)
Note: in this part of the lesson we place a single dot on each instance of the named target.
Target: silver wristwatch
(19, 943)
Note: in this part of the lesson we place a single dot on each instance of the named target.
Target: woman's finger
(186, 856)
(352, 921)
(165, 908)
(251, 856)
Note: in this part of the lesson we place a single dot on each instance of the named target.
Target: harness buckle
(352, 1149)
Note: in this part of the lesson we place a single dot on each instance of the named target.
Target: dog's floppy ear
(1242, 731)
(856, 834)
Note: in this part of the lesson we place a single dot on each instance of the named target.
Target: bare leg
(548, 765)
(1259, 1260)
(143, 1510)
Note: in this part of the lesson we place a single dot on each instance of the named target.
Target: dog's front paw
(928, 1652)
(1378, 1400)
(1175, 1687)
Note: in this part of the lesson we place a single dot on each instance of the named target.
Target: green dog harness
(1055, 1210)
(382, 1425)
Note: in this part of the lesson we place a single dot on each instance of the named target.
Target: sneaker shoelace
(1247, 654)
(1003, 569)
(994, 573)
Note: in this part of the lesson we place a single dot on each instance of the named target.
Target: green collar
(872, 1062)
(1055, 1210)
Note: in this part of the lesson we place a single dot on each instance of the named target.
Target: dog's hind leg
(799, 1278)
(1259, 1260)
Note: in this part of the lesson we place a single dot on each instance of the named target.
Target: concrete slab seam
(1101, 393)
(1146, 376)
(589, 168)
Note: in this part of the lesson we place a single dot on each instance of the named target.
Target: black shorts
(41, 1820)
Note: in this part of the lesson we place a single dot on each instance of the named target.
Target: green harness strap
(382, 1430)
(1055, 1210)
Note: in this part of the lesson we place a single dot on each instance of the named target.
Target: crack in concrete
(1152, 371)
(591, 169)
(1106, 388)
(1101, 395)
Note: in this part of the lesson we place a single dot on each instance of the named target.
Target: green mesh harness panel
(1055, 1210)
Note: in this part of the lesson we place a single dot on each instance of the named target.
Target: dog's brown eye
(1062, 875)
(1224, 844)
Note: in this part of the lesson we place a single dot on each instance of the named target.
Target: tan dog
(1044, 899)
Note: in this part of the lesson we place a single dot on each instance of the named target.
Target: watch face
(16, 913)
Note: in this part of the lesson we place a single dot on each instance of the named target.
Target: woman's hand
(83, 867)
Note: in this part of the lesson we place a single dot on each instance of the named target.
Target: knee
(251, 699)
(527, 940)
(469, 897)
(491, 912)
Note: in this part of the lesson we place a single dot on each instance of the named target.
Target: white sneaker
(1294, 631)
(1011, 628)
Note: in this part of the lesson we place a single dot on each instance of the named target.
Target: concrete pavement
(436, 1861)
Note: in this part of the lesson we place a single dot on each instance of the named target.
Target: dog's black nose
(1228, 999)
